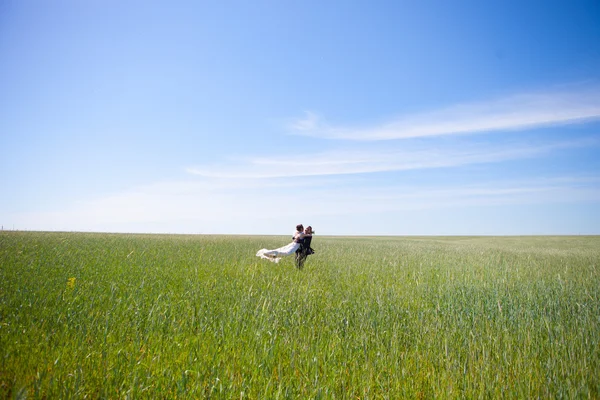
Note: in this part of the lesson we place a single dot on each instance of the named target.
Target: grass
(146, 316)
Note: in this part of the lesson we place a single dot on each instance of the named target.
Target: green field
(164, 316)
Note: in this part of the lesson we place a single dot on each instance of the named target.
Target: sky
(249, 117)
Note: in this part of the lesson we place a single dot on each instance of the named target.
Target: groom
(304, 250)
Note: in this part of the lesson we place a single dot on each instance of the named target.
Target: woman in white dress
(287, 250)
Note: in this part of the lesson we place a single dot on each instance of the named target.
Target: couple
(300, 245)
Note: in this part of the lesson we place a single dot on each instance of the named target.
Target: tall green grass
(147, 316)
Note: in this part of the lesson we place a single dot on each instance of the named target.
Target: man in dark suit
(304, 250)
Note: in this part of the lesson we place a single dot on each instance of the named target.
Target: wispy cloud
(540, 191)
(516, 112)
(409, 157)
(191, 206)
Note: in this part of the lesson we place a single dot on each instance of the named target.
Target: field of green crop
(165, 316)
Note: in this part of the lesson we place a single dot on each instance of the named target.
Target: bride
(276, 254)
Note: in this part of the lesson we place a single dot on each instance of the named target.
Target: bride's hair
(299, 228)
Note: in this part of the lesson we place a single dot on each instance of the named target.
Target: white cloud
(517, 112)
(207, 207)
(543, 191)
(408, 157)
(309, 123)
(270, 194)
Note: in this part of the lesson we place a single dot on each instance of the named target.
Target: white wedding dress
(276, 254)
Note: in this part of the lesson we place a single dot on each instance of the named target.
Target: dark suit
(303, 251)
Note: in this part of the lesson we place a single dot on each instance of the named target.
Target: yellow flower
(71, 283)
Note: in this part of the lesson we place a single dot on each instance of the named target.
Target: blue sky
(391, 118)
